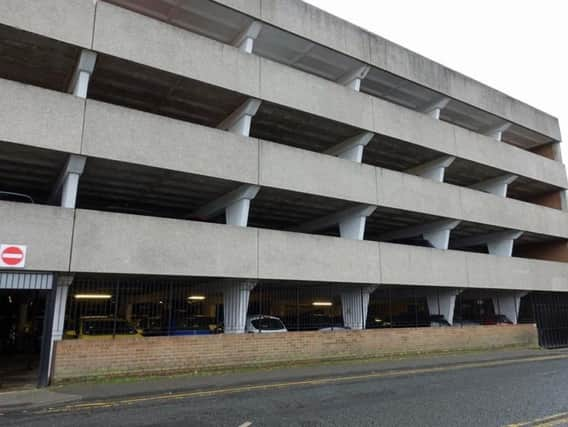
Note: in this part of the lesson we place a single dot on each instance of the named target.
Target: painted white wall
(516, 46)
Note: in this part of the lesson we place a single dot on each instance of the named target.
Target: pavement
(490, 388)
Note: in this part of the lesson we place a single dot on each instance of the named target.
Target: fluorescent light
(322, 303)
(93, 296)
(196, 298)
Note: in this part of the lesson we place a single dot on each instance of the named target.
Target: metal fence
(123, 306)
(551, 313)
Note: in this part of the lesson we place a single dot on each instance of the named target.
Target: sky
(519, 47)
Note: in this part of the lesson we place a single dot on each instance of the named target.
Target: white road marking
(246, 424)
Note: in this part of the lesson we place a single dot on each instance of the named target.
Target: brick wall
(161, 355)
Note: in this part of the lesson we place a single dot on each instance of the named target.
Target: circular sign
(12, 255)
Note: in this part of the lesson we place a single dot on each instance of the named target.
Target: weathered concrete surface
(105, 242)
(140, 39)
(46, 231)
(307, 21)
(40, 117)
(127, 135)
(295, 256)
(132, 36)
(70, 21)
(308, 172)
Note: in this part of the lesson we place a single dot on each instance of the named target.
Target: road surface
(522, 391)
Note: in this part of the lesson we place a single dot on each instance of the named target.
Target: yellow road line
(551, 420)
(271, 386)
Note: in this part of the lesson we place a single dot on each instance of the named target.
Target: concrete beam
(352, 148)
(443, 301)
(355, 306)
(434, 109)
(508, 303)
(496, 132)
(68, 182)
(245, 40)
(499, 243)
(351, 222)
(353, 78)
(436, 233)
(434, 169)
(79, 84)
(236, 205)
(497, 186)
(240, 120)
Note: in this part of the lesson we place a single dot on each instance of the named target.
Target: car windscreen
(267, 324)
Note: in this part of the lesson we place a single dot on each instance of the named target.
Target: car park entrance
(22, 316)
(25, 335)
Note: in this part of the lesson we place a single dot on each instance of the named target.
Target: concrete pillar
(434, 109)
(351, 148)
(236, 205)
(68, 182)
(497, 186)
(245, 40)
(240, 120)
(61, 291)
(434, 169)
(351, 222)
(79, 85)
(499, 243)
(353, 78)
(443, 302)
(237, 213)
(507, 304)
(235, 306)
(355, 305)
(436, 233)
(496, 132)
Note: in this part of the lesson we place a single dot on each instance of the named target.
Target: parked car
(264, 324)
(98, 326)
(496, 319)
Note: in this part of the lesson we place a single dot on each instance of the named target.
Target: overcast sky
(517, 46)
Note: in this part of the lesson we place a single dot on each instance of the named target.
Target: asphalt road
(477, 394)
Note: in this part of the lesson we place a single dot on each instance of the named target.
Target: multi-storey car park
(167, 167)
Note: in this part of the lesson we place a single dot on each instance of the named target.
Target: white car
(264, 324)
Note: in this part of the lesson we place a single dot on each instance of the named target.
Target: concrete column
(497, 186)
(235, 306)
(352, 148)
(434, 109)
(436, 233)
(235, 203)
(79, 85)
(434, 169)
(237, 213)
(507, 304)
(351, 222)
(61, 291)
(353, 78)
(245, 40)
(240, 120)
(496, 132)
(68, 182)
(499, 243)
(355, 305)
(443, 302)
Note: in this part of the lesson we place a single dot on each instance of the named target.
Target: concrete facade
(196, 143)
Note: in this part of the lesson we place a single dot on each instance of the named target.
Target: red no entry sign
(12, 256)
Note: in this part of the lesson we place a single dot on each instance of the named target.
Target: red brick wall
(160, 355)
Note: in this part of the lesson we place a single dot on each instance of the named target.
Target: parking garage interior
(122, 306)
